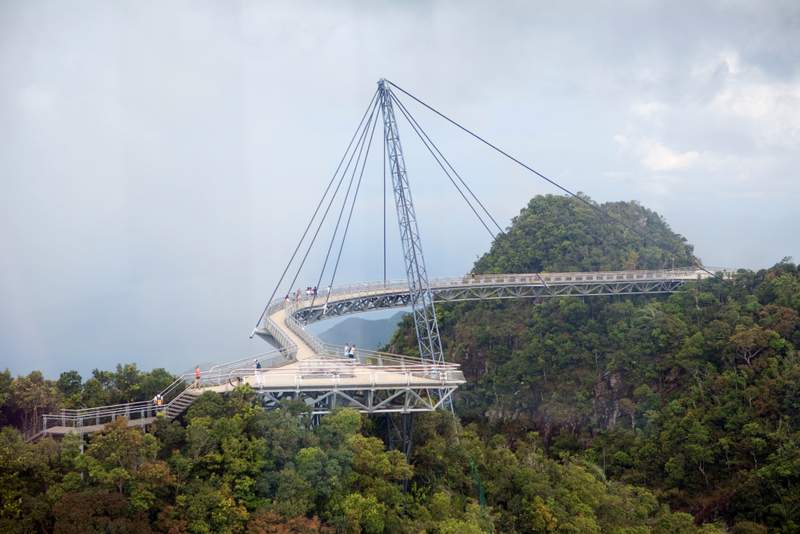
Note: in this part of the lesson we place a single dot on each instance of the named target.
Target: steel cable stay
(384, 212)
(425, 141)
(357, 149)
(363, 163)
(371, 105)
(570, 193)
(420, 132)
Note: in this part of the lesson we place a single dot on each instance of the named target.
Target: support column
(400, 437)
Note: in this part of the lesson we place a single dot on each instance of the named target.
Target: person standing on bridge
(197, 376)
(258, 373)
(157, 401)
(346, 350)
(353, 352)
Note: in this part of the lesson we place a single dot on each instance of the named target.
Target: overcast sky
(159, 161)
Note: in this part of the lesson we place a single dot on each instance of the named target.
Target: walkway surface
(304, 352)
(60, 431)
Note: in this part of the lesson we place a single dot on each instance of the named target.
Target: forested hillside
(231, 467)
(604, 415)
(558, 234)
(692, 395)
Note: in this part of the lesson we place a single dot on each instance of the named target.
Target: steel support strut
(430, 346)
(401, 437)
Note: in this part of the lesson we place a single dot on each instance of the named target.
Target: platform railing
(320, 367)
(389, 287)
(141, 410)
(273, 358)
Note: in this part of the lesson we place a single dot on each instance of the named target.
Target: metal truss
(346, 307)
(400, 433)
(357, 298)
(430, 346)
(642, 287)
(374, 400)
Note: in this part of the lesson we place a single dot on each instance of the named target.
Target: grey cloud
(159, 162)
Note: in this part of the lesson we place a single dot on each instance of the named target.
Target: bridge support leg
(400, 436)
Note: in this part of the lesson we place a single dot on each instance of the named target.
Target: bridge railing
(382, 287)
(301, 331)
(281, 337)
(374, 372)
(99, 416)
(141, 410)
(274, 358)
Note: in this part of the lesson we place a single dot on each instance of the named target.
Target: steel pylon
(430, 346)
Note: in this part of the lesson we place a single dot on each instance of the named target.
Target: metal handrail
(302, 332)
(386, 287)
(138, 409)
(280, 336)
(323, 366)
(266, 359)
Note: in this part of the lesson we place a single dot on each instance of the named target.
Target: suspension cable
(330, 183)
(594, 207)
(425, 140)
(355, 195)
(344, 202)
(384, 212)
(360, 144)
(507, 242)
(414, 122)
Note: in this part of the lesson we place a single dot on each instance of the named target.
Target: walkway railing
(273, 358)
(142, 410)
(104, 414)
(381, 287)
(442, 284)
(370, 368)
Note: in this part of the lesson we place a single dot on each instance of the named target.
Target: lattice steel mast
(430, 346)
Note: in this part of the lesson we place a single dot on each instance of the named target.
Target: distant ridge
(365, 333)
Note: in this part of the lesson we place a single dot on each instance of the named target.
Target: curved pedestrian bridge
(307, 369)
(369, 296)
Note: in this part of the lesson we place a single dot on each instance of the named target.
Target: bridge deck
(363, 297)
(345, 374)
(304, 352)
(62, 430)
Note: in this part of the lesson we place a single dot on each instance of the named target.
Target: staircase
(181, 403)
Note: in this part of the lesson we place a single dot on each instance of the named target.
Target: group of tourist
(309, 293)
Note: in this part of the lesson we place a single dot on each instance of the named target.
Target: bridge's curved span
(306, 368)
(370, 296)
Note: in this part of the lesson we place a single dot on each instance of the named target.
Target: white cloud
(647, 110)
(731, 60)
(659, 185)
(615, 175)
(660, 158)
(772, 110)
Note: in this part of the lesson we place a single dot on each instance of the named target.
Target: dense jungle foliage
(691, 395)
(229, 466)
(664, 414)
